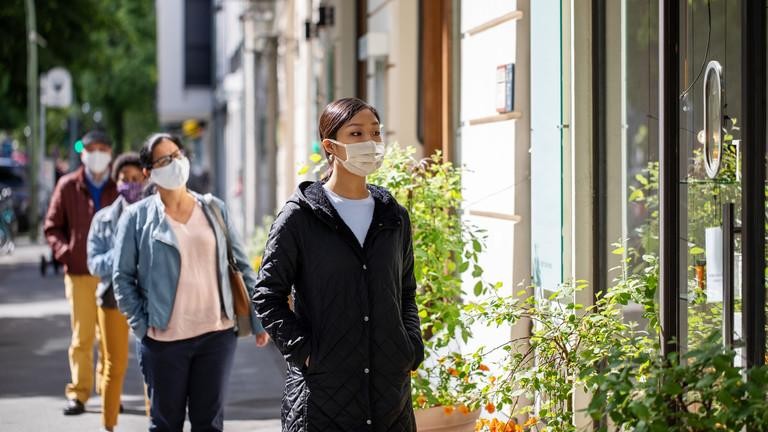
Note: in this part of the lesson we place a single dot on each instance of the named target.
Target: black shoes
(74, 407)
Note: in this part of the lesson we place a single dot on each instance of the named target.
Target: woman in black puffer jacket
(343, 249)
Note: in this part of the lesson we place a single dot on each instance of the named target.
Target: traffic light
(79, 146)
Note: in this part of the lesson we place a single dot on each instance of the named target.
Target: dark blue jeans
(187, 373)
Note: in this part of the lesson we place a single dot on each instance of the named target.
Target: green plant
(699, 391)
(445, 248)
(594, 348)
(566, 347)
(258, 241)
(702, 210)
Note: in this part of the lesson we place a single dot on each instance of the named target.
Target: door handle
(729, 230)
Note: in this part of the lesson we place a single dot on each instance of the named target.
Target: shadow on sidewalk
(35, 336)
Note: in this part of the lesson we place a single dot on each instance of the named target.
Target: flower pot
(436, 420)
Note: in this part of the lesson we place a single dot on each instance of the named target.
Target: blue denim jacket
(147, 264)
(101, 242)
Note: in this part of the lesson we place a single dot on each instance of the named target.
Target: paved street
(34, 337)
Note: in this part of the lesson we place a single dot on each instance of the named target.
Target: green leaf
(696, 250)
(640, 410)
(477, 271)
(464, 266)
(636, 195)
(478, 288)
(672, 388)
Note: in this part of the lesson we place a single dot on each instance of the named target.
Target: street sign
(56, 88)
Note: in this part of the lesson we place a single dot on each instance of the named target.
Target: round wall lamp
(713, 118)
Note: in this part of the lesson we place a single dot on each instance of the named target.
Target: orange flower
(490, 407)
(492, 379)
(483, 367)
(421, 400)
(453, 372)
(448, 410)
(496, 426)
(463, 409)
(480, 424)
(531, 421)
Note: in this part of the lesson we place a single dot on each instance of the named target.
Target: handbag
(240, 302)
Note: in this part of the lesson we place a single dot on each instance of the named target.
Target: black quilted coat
(354, 314)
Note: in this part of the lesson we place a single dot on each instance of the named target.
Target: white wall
(296, 119)
(394, 89)
(175, 103)
(496, 165)
(303, 81)
(234, 148)
(230, 93)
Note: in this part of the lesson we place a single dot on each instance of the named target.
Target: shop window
(198, 28)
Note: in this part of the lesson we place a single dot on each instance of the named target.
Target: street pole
(32, 101)
(41, 189)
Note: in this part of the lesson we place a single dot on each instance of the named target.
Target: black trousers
(187, 373)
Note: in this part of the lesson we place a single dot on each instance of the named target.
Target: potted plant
(564, 351)
(700, 390)
(258, 241)
(618, 363)
(446, 387)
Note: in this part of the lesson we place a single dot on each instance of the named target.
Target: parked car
(14, 176)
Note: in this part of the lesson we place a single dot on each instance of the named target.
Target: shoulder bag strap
(220, 219)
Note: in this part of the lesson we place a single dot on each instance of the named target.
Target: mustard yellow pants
(114, 345)
(81, 293)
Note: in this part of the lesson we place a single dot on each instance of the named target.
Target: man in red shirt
(78, 195)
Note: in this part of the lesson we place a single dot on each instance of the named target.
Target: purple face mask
(131, 191)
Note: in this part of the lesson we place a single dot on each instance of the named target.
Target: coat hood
(311, 196)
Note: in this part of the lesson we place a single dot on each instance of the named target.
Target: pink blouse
(197, 307)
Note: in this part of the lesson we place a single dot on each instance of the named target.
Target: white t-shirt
(357, 214)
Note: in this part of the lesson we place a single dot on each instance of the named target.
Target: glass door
(710, 107)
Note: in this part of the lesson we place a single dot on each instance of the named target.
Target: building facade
(553, 107)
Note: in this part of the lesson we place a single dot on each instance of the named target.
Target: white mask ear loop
(332, 157)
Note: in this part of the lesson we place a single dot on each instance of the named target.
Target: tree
(108, 46)
(121, 80)
(66, 27)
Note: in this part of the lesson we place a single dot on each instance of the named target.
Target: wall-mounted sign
(505, 88)
(56, 88)
(713, 118)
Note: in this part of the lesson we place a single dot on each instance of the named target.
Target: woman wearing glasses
(170, 279)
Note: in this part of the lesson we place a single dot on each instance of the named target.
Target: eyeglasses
(166, 160)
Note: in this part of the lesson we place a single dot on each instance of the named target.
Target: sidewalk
(34, 338)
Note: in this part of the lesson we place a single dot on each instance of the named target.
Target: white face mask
(362, 158)
(172, 176)
(96, 161)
